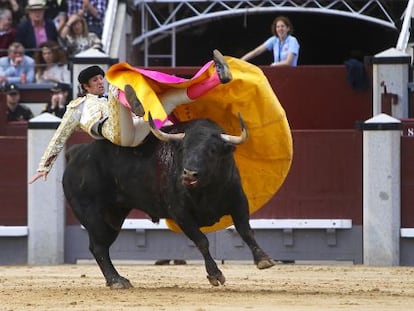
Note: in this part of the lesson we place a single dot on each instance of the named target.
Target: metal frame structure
(162, 19)
(109, 22)
(402, 43)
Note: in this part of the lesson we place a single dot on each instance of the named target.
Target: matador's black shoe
(133, 101)
(222, 67)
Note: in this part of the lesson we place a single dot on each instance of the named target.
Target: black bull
(190, 178)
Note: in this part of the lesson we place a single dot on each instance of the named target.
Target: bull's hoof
(120, 283)
(216, 280)
(162, 262)
(179, 262)
(265, 263)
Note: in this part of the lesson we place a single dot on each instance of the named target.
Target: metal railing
(161, 19)
(402, 42)
(109, 22)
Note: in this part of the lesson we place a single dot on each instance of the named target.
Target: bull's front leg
(241, 222)
(214, 275)
(261, 259)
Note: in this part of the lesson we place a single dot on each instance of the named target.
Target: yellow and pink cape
(264, 159)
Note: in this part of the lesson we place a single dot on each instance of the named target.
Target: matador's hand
(37, 176)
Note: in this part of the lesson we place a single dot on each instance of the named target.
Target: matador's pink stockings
(175, 96)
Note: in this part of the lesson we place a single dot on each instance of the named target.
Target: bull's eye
(212, 151)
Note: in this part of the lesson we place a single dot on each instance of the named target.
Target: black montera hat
(90, 72)
(11, 88)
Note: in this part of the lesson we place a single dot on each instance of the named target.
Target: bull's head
(235, 140)
(203, 153)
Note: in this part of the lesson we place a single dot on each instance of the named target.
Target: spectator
(57, 10)
(76, 37)
(16, 67)
(60, 21)
(59, 100)
(16, 8)
(15, 110)
(36, 29)
(55, 7)
(92, 10)
(356, 74)
(7, 31)
(285, 47)
(51, 64)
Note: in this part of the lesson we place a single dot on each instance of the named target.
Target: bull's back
(126, 177)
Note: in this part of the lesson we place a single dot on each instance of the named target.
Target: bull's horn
(160, 134)
(236, 140)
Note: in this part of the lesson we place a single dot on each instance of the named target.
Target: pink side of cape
(163, 78)
(167, 78)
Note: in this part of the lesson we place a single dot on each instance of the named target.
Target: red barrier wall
(314, 97)
(407, 182)
(325, 180)
(317, 97)
(13, 192)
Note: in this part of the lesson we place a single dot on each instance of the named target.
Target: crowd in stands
(38, 38)
(51, 63)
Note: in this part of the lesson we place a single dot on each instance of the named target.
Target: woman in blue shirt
(285, 47)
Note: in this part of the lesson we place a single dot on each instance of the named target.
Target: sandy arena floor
(185, 288)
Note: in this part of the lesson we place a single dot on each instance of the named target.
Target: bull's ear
(229, 147)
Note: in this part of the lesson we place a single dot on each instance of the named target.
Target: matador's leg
(122, 127)
(174, 97)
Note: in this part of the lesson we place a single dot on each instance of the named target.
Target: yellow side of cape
(264, 159)
(146, 89)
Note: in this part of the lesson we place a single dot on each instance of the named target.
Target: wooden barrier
(329, 188)
(314, 97)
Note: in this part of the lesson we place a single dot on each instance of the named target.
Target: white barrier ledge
(135, 224)
(407, 232)
(300, 224)
(10, 231)
(131, 223)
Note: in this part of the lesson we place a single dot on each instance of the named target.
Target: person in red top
(7, 31)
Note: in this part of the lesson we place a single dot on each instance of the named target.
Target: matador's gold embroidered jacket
(82, 112)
